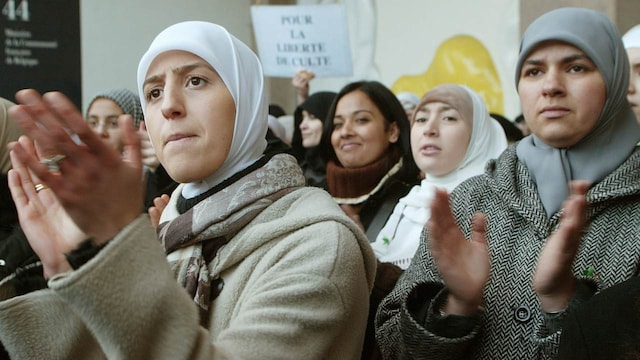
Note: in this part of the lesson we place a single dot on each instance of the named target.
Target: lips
(430, 149)
(554, 111)
(349, 146)
(177, 137)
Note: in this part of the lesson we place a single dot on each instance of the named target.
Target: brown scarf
(191, 240)
(355, 185)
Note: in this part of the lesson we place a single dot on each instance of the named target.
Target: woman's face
(562, 93)
(439, 138)
(190, 115)
(359, 136)
(310, 129)
(102, 118)
(633, 94)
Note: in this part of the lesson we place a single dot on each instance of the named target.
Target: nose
(431, 128)
(553, 84)
(632, 88)
(303, 124)
(346, 130)
(101, 129)
(172, 102)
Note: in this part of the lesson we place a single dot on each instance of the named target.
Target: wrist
(52, 267)
(557, 302)
(455, 306)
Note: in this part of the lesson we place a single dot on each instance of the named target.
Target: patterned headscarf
(240, 69)
(126, 99)
(616, 133)
(9, 131)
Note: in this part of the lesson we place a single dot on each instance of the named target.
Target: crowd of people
(182, 222)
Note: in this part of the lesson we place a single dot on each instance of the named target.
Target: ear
(393, 133)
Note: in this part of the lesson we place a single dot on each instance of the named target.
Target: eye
(362, 120)
(420, 120)
(449, 118)
(532, 72)
(113, 123)
(337, 124)
(92, 123)
(153, 94)
(576, 68)
(196, 81)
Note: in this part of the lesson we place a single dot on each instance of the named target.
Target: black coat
(605, 327)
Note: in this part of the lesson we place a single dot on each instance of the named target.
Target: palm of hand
(463, 265)
(48, 227)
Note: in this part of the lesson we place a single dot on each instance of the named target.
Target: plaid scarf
(192, 240)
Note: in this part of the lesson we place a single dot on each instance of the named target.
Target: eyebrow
(179, 70)
(564, 60)
(355, 113)
(444, 107)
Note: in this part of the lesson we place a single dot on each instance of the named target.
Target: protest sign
(313, 37)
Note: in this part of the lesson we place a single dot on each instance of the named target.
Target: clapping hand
(99, 189)
(463, 265)
(554, 282)
(46, 225)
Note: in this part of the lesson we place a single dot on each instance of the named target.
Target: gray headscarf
(126, 99)
(616, 133)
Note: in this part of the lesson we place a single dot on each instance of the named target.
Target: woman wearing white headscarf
(254, 249)
(498, 285)
(398, 240)
(631, 41)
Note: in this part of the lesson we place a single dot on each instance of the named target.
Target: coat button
(522, 314)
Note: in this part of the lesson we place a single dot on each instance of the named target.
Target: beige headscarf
(9, 131)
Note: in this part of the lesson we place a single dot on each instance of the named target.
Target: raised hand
(99, 190)
(156, 210)
(463, 265)
(149, 158)
(553, 281)
(300, 82)
(47, 226)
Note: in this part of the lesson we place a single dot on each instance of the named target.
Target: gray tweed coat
(511, 325)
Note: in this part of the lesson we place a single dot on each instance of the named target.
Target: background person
(366, 143)
(102, 116)
(309, 118)
(631, 41)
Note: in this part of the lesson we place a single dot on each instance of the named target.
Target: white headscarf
(631, 38)
(408, 100)
(398, 240)
(240, 69)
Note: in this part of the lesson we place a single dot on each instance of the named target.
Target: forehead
(554, 47)
(169, 61)
(634, 56)
(105, 105)
(437, 106)
(356, 99)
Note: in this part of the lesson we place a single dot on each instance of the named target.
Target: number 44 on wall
(13, 12)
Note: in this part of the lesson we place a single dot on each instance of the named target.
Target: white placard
(313, 37)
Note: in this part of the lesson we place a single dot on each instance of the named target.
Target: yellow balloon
(463, 60)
